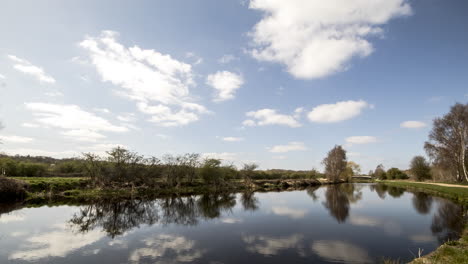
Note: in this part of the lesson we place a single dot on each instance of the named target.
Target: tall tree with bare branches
(448, 141)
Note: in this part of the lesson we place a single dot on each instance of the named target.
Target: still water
(348, 223)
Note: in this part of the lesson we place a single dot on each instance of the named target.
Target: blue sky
(268, 81)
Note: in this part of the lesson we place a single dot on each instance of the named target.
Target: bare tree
(335, 163)
(448, 141)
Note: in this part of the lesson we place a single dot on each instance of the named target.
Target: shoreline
(80, 189)
(453, 252)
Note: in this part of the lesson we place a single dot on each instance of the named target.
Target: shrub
(11, 190)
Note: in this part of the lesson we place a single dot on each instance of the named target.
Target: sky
(274, 82)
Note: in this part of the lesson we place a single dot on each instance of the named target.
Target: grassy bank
(80, 189)
(457, 194)
(454, 252)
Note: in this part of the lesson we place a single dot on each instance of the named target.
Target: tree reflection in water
(117, 217)
(249, 201)
(448, 222)
(338, 199)
(422, 202)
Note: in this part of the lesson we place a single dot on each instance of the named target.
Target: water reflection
(117, 217)
(422, 202)
(167, 247)
(268, 245)
(226, 228)
(448, 221)
(338, 198)
(340, 251)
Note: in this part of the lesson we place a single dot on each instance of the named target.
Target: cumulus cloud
(291, 146)
(75, 122)
(316, 38)
(2, 77)
(15, 139)
(232, 139)
(413, 124)
(340, 111)
(360, 140)
(28, 68)
(158, 83)
(267, 116)
(225, 84)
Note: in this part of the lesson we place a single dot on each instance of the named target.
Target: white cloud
(75, 122)
(360, 140)
(340, 111)
(2, 77)
(158, 83)
(126, 117)
(225, 84)
(26, 67)
(40, 152)
(227, 58)
(266, 245)
(229, 156)
(102, 110)
(289, 212)
(30, 125)
(291, 146)
(413, 124)
(316, 38)
(57, 243)
(15, 139)
(164, 246)
(54, 93)
(232, 139)
(8, 218)
(83, 135)
(267, 116)
(340, 251)
(197, 59)
(231, 220)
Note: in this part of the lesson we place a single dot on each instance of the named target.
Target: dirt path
(436, 183)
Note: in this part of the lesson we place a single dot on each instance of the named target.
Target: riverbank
(81, 189)
(456, 193)
(454, 252)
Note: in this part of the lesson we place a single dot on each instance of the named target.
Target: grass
(453, 252)
(457, 194)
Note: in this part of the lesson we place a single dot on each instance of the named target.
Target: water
(347, 223)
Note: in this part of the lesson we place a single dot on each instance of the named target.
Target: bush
(396, 174)
(11, 190)
(420, 169)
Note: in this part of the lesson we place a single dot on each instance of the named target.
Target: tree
(448, 141)
(395, 173)
(420, 168)
(248, 171)
(379, 172)
(335, 163)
